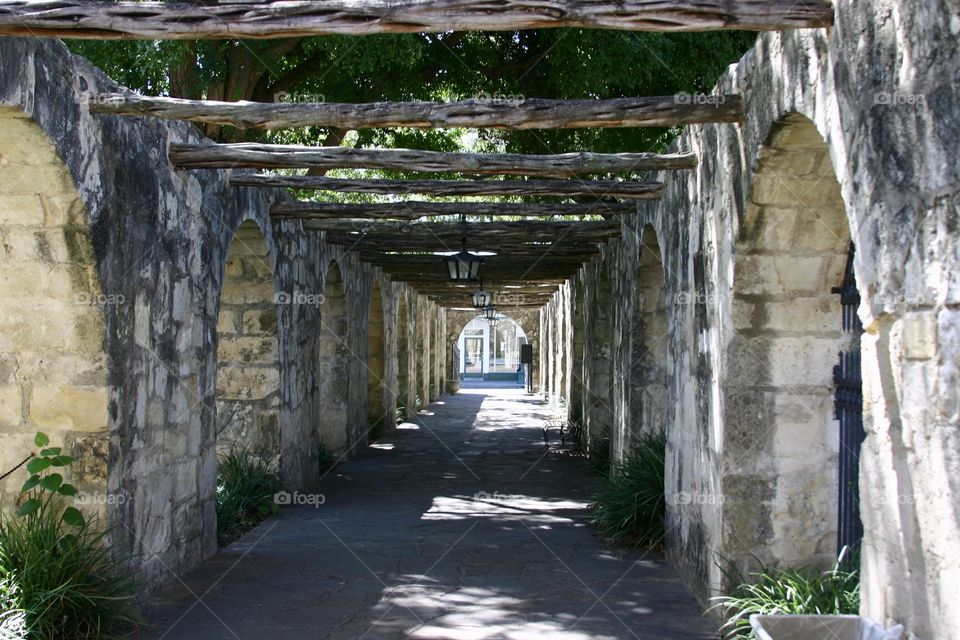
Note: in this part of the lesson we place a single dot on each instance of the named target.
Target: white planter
(809, 627)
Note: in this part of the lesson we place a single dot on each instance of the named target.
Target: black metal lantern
(490, 313)
(464, 266)
(482, 298)
(493, 321)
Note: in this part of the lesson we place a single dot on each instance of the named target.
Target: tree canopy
(550, 63)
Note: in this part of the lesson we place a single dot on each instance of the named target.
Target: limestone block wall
(850, 137)
(248, 374)
(53, 363)
(754, 235)
(110, 309)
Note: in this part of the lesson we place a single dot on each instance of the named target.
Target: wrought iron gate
(848, 409)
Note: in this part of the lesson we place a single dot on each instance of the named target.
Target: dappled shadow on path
(459, 525)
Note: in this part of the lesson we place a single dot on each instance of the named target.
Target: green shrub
(401, 410)
(57, 577)
(629, 505)
(246, 484)
(789, 591)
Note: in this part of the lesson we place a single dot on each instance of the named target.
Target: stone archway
(780, 445)
(378, 414)
(334, 364)
(53, 365)
(248, 379)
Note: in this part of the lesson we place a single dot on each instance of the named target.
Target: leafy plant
(629, 505)
(401, 415)
(246, 484)
(789, 591)
(57, 577)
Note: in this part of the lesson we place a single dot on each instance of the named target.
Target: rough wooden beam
(274, 156)
(232, 20)
(417, 209)
(569, 188)
(531, 113)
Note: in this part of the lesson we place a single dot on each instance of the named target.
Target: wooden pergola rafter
(277, 156)
(412, 210)
(297, 18)
(570, 188)
(478, 113)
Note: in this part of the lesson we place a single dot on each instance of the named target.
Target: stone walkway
(457, 526)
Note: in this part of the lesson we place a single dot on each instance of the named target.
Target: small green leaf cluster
(45, 486)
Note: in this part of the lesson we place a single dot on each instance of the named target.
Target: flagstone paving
(458, 526)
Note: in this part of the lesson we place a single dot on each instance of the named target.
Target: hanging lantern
(490, 313)
(464, 266)
(482, 298)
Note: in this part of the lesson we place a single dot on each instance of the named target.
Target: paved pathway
(457, 526)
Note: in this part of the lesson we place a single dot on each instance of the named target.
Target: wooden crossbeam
(417, 209)
(569, 188)
(240, 19)
(531, 113)
(269, 156)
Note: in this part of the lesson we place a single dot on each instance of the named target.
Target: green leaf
(68, 540)
(31, 482)
(61, 461)
(52, 482)
(73, 517)
(67, 490)
(52, 451)
(28, 507)
(41, 439)
(36, 465)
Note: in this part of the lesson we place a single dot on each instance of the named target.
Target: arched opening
(490, 353)
(334, 365)
(53, 367)
(403, 359)
(649, 393)
(378, 414)
(248, 378)
(781, 443)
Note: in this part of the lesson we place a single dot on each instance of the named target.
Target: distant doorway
(491, 352)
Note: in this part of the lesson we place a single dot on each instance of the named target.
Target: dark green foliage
(58, 580)
(246, 485)
(788, 591)
(544, 63)
(629, 505)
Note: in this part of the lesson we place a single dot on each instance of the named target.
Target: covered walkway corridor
(458, 525)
